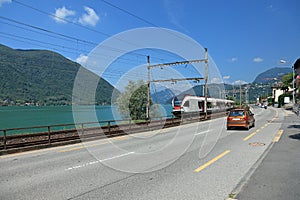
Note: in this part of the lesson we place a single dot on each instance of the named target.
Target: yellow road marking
(278, 136)
(262, 127)
(211, 161)
(121, 137)
(71, 149)
(251, 135)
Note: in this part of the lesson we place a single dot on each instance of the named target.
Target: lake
(28, 116)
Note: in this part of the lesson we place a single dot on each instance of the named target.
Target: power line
(47, 31)
(129, 13)
(96, 31)
(74, 38)
(71, 22)
(63, 19)
(143, 20)
(64, 36)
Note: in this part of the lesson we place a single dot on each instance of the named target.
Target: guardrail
(50, 135)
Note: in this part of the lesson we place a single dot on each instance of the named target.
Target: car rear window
(236, 113)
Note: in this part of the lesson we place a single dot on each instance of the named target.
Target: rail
(51, 135)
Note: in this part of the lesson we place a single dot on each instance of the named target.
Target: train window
(177, 103)
(186, 104)
(209, 105)
(200, 104)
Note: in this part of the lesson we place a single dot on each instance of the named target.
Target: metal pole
(4, 139)
(240, 96)
(49, 134)
(293, 85)
(82, 129)
(148, 90)
(206, 79)
(108, 124)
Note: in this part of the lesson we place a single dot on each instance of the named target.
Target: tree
(281, 99)
(133, 101)
(287, 81)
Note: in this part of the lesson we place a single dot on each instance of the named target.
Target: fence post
(49, 135)
(4, 138)
(82, 129)
(108, 127)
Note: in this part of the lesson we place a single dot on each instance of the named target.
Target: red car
(240, 118)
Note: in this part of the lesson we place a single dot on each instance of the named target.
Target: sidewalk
(278, 176)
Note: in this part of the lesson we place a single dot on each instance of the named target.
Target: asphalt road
(193, 161)
(278, 175)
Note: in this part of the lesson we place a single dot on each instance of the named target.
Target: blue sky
(244, 37)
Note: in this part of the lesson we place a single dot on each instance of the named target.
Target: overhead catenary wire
(78, 40)
(63, 36)
(100, 32)
(63, 19)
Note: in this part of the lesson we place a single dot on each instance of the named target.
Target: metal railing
(50, 134)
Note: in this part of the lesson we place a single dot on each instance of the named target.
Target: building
(296, 67)
(276, 91)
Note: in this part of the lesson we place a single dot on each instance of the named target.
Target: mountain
(42, 77)
(163, 97)
(272, 75)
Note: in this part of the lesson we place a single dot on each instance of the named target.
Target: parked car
(240, 118)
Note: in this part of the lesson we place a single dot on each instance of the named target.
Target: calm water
(23, 116)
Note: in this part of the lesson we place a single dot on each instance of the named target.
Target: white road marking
(98, 161)
(200, 133)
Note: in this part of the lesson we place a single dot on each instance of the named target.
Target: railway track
(17, 143)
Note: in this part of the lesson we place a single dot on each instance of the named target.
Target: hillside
(42, 77)
(272, 75)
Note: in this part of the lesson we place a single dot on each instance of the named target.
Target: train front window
(186, 104)
(177, 103)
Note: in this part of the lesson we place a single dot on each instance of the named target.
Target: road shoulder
(276, 174)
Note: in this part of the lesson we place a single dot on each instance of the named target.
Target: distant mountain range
(265, 78)
(41, 77)
(47, 78)
(272, 75)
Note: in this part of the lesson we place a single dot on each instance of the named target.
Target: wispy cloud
(216, 80)
(89, 18)
(239, 82)
(174, 9)
(257, 59)
(4, 1)
(61, 14)
(82, 59)
(272, 8)
(233, 59)
(226, 79)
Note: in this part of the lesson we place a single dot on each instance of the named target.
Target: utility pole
(206, 79)
(240, 96)
(148, 90)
